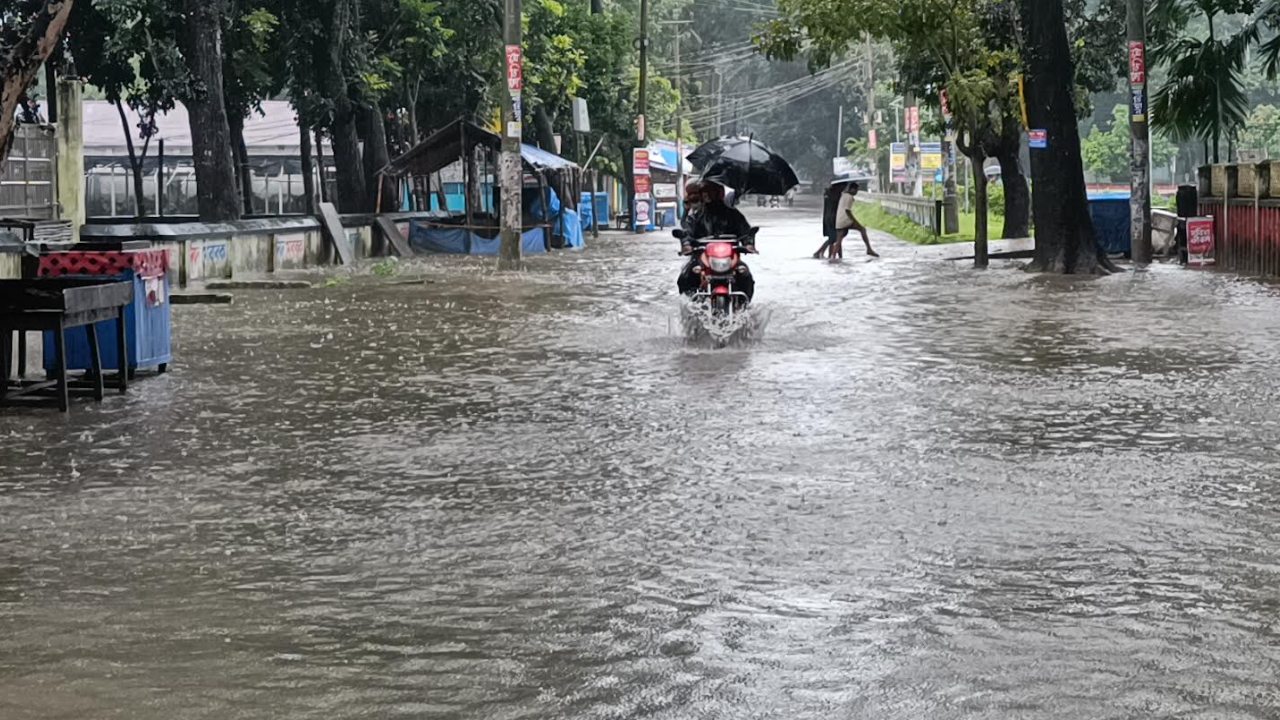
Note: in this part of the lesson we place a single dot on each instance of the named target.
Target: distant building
(272, 138)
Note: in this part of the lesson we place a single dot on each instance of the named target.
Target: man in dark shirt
(708, 216)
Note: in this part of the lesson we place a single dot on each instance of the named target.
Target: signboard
(1200, 242)
(515, 77)
(1138, 107)
(581, 118)
(1038, 139)
(897, 157)
(643, 185)
(1137, 63)
(664, 191)
(842, 166)
(931, 156)
(643, 217)
(899, 177)
(914, 140)
(946, 104)
(871, 140)
(913, 119)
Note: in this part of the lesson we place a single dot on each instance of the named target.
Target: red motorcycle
(718, 259)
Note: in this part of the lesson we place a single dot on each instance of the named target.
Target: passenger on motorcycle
(707, 216)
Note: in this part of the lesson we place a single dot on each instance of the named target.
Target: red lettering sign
(1137, 63)
(946, 104)
(643, 186)
(515, 76)
(1200, 241)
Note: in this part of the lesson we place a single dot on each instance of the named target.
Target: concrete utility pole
(644, 69)
(679, 123)
(1140, 136)
(512, 177)
(641, 105)
(840, 134)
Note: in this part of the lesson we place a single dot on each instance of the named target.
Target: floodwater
(917, 492)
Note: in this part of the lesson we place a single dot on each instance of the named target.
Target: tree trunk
(308, 171)
(545, 125)
(981, 233)
(22, 63)
(377, 157)
(1065, 238)
(1017, 197)
(346, 144)
(210, 130)
(135, 162)
(244, 174)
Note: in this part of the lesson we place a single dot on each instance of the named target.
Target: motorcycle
(718, 259)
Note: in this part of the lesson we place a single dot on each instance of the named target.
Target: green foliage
(386, 267)
(1262, 130)
(1106, 151)
(1204, 95)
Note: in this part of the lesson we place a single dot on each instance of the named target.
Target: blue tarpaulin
(459, 241)
(569, 226)
(1110, 212)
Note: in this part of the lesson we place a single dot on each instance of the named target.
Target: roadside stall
(475, 228)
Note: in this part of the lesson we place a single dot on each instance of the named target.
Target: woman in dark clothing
(830, 201)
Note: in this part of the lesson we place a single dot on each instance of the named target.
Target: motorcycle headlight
(721, 265)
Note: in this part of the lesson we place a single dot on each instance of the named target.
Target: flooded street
(918, 491)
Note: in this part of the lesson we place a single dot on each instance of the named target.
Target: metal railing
(924, 212)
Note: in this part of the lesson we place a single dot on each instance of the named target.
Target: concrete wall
(200, 251)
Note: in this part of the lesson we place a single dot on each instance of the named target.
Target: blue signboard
(1038, 139)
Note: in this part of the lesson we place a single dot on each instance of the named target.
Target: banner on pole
(930, 156)
(1038, 139)
(515, 76)
(898, 157)
(1137, 63)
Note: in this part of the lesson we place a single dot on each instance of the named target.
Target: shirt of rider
(844, 220)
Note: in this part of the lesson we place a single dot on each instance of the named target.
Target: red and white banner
(871, 140)
(913, 119)
(515, 75)
(1200, 242)
(640, 161)
(1137, 63)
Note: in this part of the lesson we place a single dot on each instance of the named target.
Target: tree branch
(23, 62)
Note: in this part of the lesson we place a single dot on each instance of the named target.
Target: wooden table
(57, 305)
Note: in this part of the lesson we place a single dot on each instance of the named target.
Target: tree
(1262, 130)
(1066, 241)
(207, 111)
(248, 78)
(128, 49)
(1204, 95)
(940, 39)
(32, 30)
(554, 63)
(1106, 150)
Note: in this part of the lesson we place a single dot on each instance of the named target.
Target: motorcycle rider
(707, 216)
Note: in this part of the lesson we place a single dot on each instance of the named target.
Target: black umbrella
(744, 164)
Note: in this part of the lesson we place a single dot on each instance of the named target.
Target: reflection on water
(922, 492)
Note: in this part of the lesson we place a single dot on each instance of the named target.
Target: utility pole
(640, 109)
(1140, 136)
(840, 134)
(871, 114)
(512, 177)
(679, 123)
